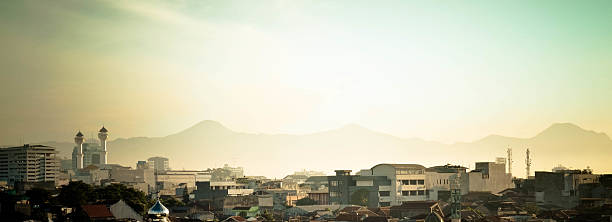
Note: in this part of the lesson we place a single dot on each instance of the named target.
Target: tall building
(159, 164)
(85, 154)
(28, 163)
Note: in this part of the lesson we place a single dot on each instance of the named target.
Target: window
(421, 182)
(405, 182)
(421, 192)
(405, 193)
(333, 194)
(413, 193)
(385, 204)
(333, 183)
(384, 193)
(413, 182)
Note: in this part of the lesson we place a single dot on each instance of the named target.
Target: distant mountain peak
(565, 126)
(209, 124)
(205, 126)
(561, 130)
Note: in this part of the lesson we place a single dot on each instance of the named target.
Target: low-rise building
(407, 183)
(366, 190)
(140, 176)
(561, 188)
(489, 177)
(321, 197)
(438, 180)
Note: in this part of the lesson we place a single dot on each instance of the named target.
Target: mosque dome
(158, 208)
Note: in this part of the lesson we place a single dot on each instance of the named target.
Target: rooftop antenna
(509, 151)
(528, 164)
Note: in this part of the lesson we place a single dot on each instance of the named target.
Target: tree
(305, 201)
(7, 207)
(267, 216)
(115, 192)
(75, 194)
(38, 196)
(172, 202)
(39, 199)
(360, 197)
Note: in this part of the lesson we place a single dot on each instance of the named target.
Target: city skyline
(552, 147)
(306, 110)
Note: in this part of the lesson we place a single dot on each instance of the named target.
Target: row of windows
(413, 182)
(415, 192)
(409, 171)
(442, 181)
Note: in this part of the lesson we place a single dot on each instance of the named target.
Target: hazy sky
(439, 70)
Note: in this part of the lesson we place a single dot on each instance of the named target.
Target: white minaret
(103, 135)
(79, 139)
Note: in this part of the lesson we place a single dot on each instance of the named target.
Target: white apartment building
(28, 163)
(407, 183)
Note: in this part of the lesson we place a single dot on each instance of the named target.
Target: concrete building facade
(561, 188)
(439, 179)
(369, 190)
(159, 164)
(407, 183)
(28, 163)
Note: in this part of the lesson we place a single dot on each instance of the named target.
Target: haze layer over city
(280, 86)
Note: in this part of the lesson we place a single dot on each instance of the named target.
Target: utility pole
(528, 164)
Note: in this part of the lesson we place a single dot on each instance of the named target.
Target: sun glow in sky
(438, 70)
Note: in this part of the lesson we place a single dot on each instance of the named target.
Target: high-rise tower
(103, 135)
(79, 140)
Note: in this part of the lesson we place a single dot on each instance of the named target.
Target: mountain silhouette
(210, 144)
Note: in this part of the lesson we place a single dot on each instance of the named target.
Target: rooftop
(97, 211)
(395, 165)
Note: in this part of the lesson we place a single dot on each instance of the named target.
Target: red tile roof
(97, 211)
(416, 205)
(238, 218)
